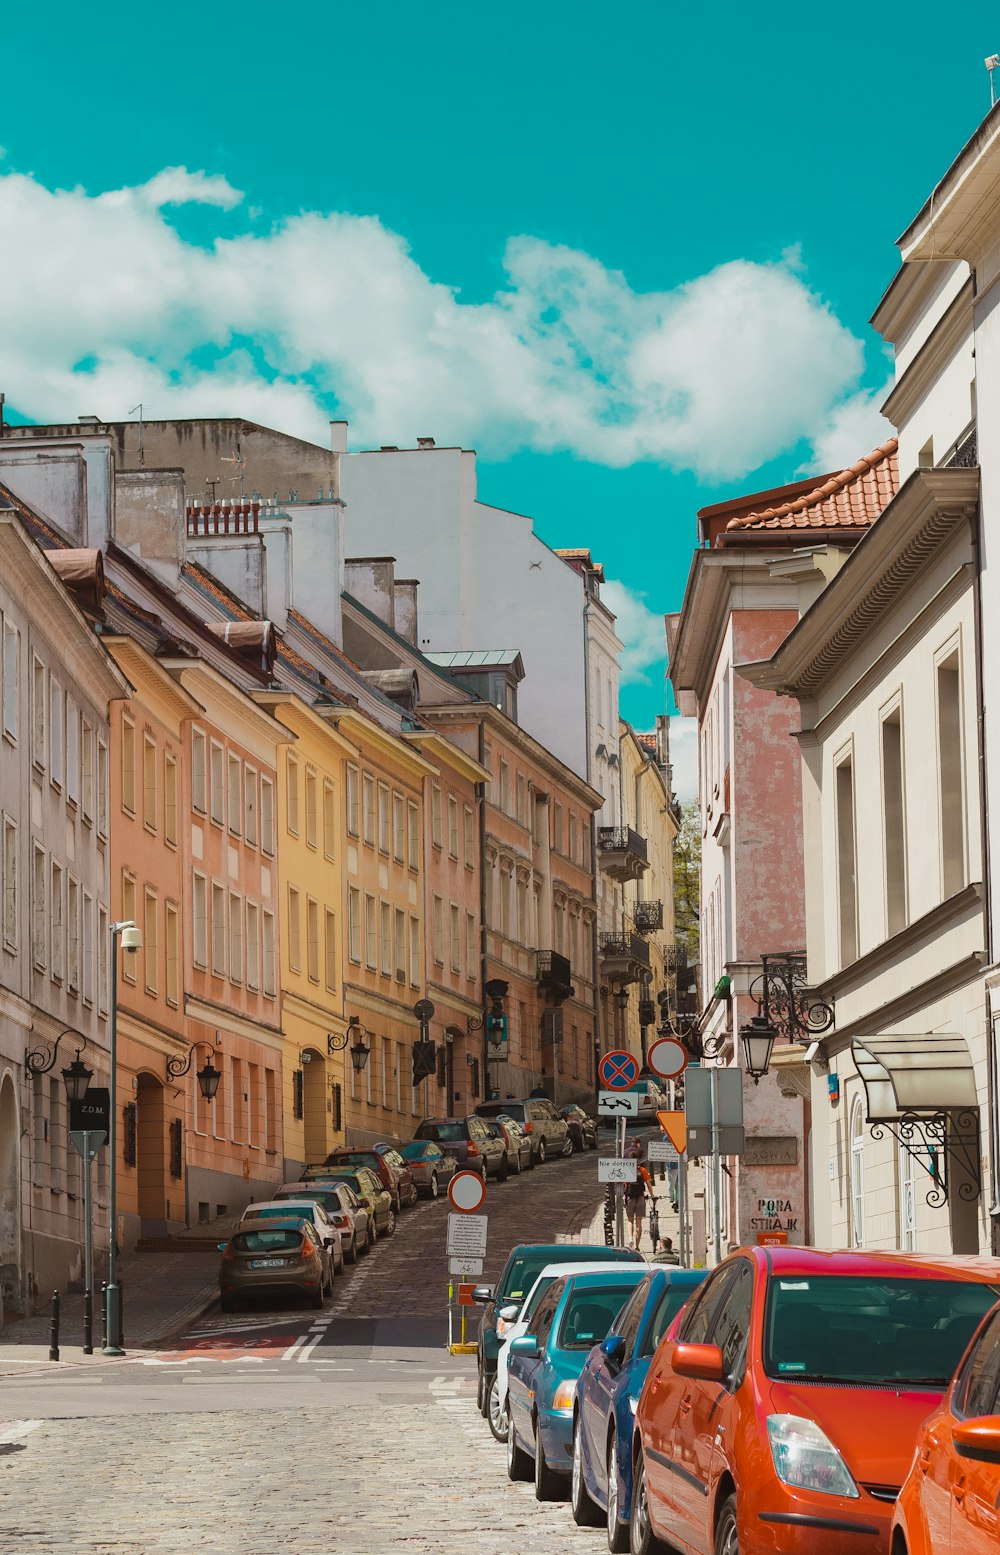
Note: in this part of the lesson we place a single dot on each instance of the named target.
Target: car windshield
(450, 1130)
(589, 1315)
(874, 1330)
(355, 1158)
(669, 1305)
(326, 1199)
(276, 1241)
(353, 1180)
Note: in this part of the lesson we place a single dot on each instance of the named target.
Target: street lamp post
(131, 941)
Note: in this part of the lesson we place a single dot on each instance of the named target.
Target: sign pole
(88, 1251)
(620, 1189)
(682, 1207)
(716, 1168)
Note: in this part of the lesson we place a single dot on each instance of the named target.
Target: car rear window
(355, 1158)
(454, 1131)
(276, 1241)
(495, 1109)
(589, 1315)
(874, 1330)
(329, 1201)
(415, 1150)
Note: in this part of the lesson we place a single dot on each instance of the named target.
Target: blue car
(576, 1313)
(606, 1396)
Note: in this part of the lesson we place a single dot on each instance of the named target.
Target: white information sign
(661, 1150)
(612, 1168)
(466, 1268)
(618, 1104)
(467, 1236)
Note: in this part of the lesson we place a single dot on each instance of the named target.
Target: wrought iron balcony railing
(647, 917)
(622, 839)
(624, 947)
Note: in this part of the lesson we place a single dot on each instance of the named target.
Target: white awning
(922, 1072)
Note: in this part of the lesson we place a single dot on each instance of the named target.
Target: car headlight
(804, 1456)
(564, 1395)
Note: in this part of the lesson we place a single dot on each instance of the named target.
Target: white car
(513, 1321)
(304, 1209)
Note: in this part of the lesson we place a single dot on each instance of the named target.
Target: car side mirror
(702, 1361)
(509, 1313)
(613, 1349)
(482, 1294)
(527, 1346)
(979, 1439)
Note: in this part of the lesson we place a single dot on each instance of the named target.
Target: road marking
(293, 1349)
(15, 1429)
(305, 1353)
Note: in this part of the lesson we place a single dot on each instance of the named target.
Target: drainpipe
(595, 963)
(984, 823)
(483, 973)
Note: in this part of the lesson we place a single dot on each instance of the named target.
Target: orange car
(779, 1414)
(948, 1503)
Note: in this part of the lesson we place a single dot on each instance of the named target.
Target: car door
(521, 1369)
(606, 1379)
(972, 1487)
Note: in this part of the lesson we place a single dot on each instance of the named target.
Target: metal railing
(622, 839)
(624, 947)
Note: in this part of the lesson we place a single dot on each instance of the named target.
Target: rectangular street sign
(731, 1141)
(467, 1236)
(93, 1112)
(618, 1104)
(612, 1168)
(661, 1150)
(466, 1268)
(698, 1096)
(87, 1142)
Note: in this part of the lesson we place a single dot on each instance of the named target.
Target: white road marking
(15, 1429)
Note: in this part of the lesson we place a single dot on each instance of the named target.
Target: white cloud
(851, 429)
(640, 629)
(684, 756)
(104, 304)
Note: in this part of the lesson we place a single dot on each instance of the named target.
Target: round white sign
(667, 1058)
(467, 1191)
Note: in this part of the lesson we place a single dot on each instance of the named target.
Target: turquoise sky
(639, 147)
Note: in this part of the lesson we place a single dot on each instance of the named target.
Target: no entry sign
(618, 1070)
(466, 1192)
(667, 1058)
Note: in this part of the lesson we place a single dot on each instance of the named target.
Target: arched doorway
(10, 1197)
(314, 1103)
(151, 1154)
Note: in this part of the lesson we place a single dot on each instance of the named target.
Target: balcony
(624, 854)
(554, 974)
(624, 958)
(647, 916)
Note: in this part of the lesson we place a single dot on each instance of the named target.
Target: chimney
(369, 580)
(425, 442)
(338, 437)
(404, 592)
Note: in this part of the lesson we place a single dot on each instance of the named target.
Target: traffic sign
(674, 1125)
(87, 1142)
(614, 1168)
(467, 1268)
(618, 1104)
(618, 1070)
(467, 1236)
(661, 1150)
(467, 1191)
(667, 1058)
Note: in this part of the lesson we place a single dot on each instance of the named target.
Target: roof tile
(853, 499)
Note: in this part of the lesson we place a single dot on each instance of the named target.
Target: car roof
(564, 1252)
(607, 1277)
(857, 1262)
(274, 1221)
(592, 1266)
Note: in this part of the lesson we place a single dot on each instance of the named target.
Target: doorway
(10, 1199)
(151, 1155)
(314, 1105)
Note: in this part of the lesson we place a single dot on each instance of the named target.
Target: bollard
(54, 1328)
(88, 1321)
(104, 1315)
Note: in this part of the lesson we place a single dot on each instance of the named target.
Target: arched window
(857, 1173)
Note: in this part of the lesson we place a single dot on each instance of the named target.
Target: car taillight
(529, 1128)
(307, 1248)
(343, 1221)
(473, 1149)
(229, 1256)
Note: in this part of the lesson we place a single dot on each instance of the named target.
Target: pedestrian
(635, 1195)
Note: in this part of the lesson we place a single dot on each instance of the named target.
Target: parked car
(789, 1392)
(606, 1398)
(652, 1098)
(347, 1159)
(470, 1142)
(525, 1263)
(374, 1196)
(271, 1257)
(431, 1168)
(327, 1233)
(545, 1364)
(514, 1140)
(344, 1208)
(582, 1127)
(538, 1117)
(949, 1500)
(406, 1188)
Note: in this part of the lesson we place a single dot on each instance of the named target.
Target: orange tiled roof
(647, 741)
(851, 500)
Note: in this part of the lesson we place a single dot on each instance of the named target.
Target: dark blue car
(606, 1396)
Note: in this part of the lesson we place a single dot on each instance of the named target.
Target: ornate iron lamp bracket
(178, 1066)
(784, 1001)
(936, 1141)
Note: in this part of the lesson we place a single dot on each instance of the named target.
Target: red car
(779, 1414)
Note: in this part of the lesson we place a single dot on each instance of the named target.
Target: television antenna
(139, 409)
(991, 62)
(239, 465)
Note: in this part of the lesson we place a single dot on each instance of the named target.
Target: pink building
(759, 566)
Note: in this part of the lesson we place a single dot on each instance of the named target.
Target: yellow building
(311, 862)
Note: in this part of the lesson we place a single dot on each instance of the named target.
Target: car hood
(874, 1428)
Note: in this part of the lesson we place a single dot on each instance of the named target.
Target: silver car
(343, 1207)
(430, 1167)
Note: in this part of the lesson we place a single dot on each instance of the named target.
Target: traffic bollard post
(54, 1328)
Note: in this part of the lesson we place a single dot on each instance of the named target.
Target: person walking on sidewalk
(635, 1195)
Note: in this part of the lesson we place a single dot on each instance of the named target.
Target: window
(294, 929)
(452, 827)
(435, 815)
(102, 789)
(39, 909)
(354, 924)
(907, 1199)
(149, 783)
(949, 710)
(522, 802)
(216, 769)
(385, 939)
(572, 835)
(398, 828)
(456, 939)
(846, 866)
(57, 922)
(471, 948)
(199, 769)
(400, 938)
(329, 821)
(413, 835)
(368, 808)
(234, 794)
(10, 671)
(352, 801)
(470, 845)
(73, 932)
(103, 946)
(266, 816)
(270, 983)
(128, 766)
(893, 828)
(270, 1112)
(253, 945)
(9, 862)
(150, 943)
(557, 827)
(72, 751)
(235, 938)
(383, 819)
(857, 1174)
(415, 966)
(250, 806)
(731, 1321)
(330, 949)
(292, 795)
(219, 930)
(371, 933)
(312, 939)
(439, 930)
(171, 947)
(312, 809)
(199, 945)
(504, 787)
(39, 713)
(87, 768)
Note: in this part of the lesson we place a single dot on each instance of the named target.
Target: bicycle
(654, 1222)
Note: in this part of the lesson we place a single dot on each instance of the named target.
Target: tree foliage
(687, 882)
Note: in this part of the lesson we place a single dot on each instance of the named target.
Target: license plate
(267, 1263)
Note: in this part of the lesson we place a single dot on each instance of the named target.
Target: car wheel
(617, 1529)
(541, 1152)
(482, 1403)
(518, 1462)
(503, 1170)
(390, 1224)
(548, 1486)
(727, 1537)
(496, 1413)
(372, 1235)
(567, 1148)
(642, 1539)
(351, 1255)
(585, 1513)
(480, 1390)
(435, 1187)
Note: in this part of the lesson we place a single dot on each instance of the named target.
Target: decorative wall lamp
(208, 1076)
(76, 1076)
(360, 1052)
(757, 1037)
